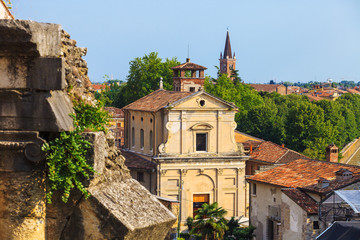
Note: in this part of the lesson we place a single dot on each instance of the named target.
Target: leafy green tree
(246, 233)
(235, 77)
(144, 77)
(287, 83)
(235, 232)
(112, 96)
(190, 223)
(263, 121)
(210, 222)
(307, 131)
(242, 95)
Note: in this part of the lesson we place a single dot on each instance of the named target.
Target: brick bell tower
(227, 60)
(188, 77)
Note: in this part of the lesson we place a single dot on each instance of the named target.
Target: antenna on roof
(188, 50)
(188, 55)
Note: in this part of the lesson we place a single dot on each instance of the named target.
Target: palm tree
(210, 222)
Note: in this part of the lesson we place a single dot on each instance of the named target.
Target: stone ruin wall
(41, 71)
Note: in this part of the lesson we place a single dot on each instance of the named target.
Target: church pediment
(202, 101)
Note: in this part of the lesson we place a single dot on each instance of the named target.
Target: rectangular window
(192, 89)
(151, 140)
(140, 176)
(253, 189)
(316, 225)
(133, 137)
(141, 138)
(201, 142)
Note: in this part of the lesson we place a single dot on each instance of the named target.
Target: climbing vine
(90, 118)
(66, 155)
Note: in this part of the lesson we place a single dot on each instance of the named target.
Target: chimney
(343, 174)
(251, 149)
(332, 153)
(187, 59)
(283, 145)
(161, 83)
(322, 183)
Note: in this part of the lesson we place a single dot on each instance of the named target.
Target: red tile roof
(115, 112)
(265, 87)
(353, 91)
(156, 100)
(304, 173)
(99, 86)
(302, 199)
(314, 98)
(188, 66)
(272, 153)
(255, 144)
(135, 161)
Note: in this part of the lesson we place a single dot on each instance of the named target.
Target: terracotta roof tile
(115, 112)
(304, 173)
(302, 199)
(189, 66)
(314, 98)
(255, 144)
(333, 185)
(135, 161)
(353, 91)
(99, 86)
(156, 100)
(268, 152)
(265, 87)
(273, 153)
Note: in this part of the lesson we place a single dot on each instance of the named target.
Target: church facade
(189, 138)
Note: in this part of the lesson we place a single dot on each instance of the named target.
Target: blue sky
(296, 40)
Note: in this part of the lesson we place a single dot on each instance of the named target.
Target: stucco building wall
(259, 207)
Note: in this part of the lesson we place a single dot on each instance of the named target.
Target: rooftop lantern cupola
(188, 77)
(227, 60)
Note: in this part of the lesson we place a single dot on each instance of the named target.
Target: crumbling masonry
(41, 69)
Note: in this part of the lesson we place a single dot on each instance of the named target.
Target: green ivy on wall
(66, 155)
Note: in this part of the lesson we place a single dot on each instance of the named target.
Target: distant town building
(4, 11)
(279, 88)
(117, 124)
(99, 87)
(227, 60)
(284, 201)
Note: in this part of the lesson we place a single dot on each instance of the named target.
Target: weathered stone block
(119, 210)
(29, 38)
(35, 111)
(28, 73)
(47, 74)
(96, 154)
(22, 205)
(13, 72)
(20, 151)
